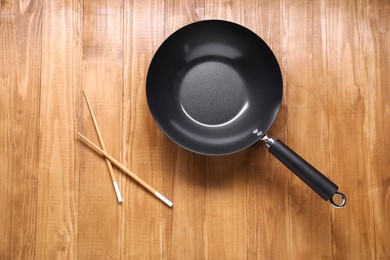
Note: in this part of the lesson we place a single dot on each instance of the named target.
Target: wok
(215, 87)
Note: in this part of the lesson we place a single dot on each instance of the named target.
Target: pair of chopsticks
(110, 160)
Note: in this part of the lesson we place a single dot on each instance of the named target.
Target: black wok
(215, 88)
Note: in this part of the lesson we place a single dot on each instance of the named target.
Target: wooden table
(56, 196)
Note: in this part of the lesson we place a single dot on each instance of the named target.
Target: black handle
(324, 187)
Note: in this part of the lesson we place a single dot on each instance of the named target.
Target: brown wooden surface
(56, 195)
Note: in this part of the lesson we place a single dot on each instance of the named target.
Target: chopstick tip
(117, 192)
(165, 200)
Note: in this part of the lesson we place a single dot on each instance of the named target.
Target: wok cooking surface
(213, 94)
(210, 84)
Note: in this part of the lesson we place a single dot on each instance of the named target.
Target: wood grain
(268, 200)
(308, 128)
(58, 181)
(354, 85)
(56, 195)
(380, 78)
(145, 217)
(20, 76)
(102, 67)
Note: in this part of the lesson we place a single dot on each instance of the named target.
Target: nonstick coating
(214, 87)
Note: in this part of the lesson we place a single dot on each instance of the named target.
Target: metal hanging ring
(338, 205)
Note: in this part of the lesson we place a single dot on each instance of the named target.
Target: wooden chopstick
(127, 171)
(109, 166)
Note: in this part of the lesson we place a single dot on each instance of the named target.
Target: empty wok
(215, 87)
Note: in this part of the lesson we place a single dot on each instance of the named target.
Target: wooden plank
(356, 102)
(58, 184)
(185, 169)
(145, 219)
(226, 221)
(379, 22)
(99, 212)
(20, 75)
(268, 201)
(308, 128)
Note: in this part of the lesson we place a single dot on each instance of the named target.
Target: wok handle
(324, 187)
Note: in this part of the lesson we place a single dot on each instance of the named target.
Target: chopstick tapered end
(117, 192)
(165, 200)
